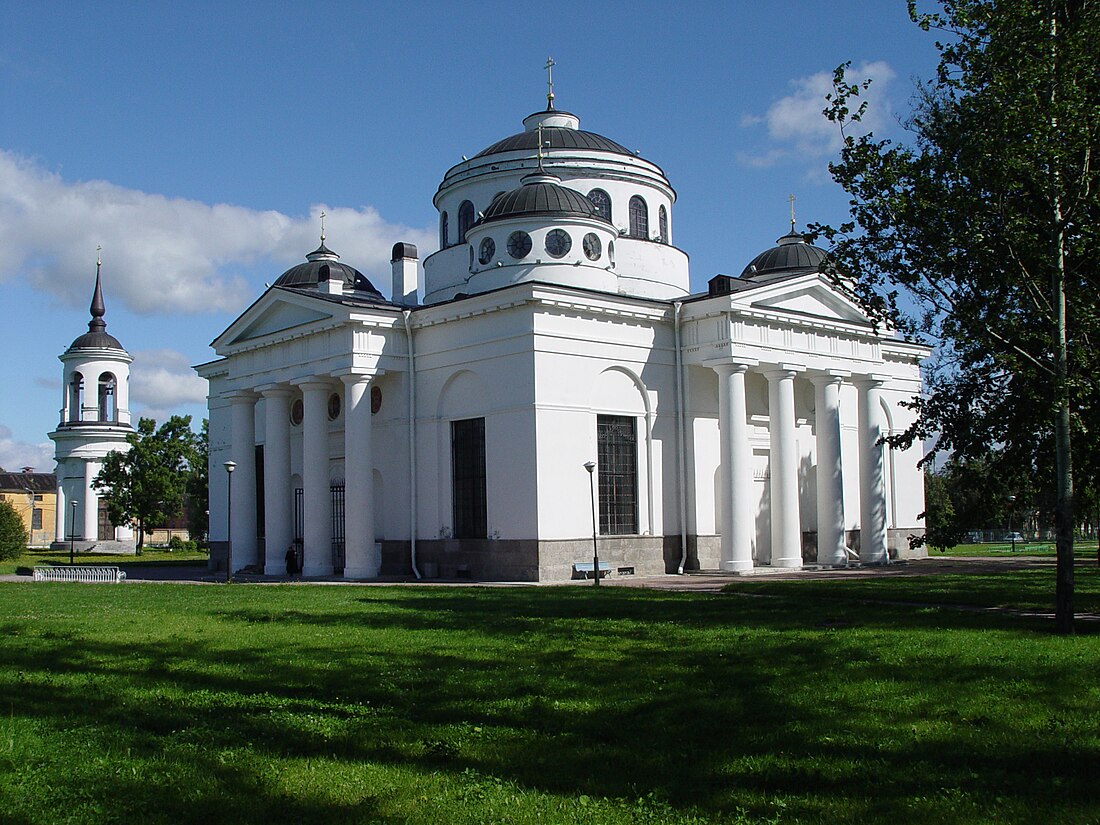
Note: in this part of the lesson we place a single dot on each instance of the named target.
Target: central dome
(559, 131)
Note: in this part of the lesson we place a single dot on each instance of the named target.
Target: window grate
(468, 478)
(617, 460)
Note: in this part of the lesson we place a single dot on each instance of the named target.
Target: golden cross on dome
(322, 226)
(550, 64)
(98, 259)
(791, 199)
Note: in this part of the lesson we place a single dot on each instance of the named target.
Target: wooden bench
(87, 574)
(586, 569)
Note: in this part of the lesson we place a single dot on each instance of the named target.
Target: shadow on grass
(716, 703)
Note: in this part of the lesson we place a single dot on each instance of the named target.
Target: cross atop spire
(791, 199)
(322, 227)
(550, 83)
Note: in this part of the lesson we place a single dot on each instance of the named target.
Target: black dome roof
(542, 195)
(792, 255)
(308, 274)
(555, 137)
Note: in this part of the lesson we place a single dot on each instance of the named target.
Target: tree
(980, 232)
(145, 485)
(941, 529)
(13, 536)
(198, 487)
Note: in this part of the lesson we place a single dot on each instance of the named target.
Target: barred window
(468, 478)
(639, 218)
(36, 519)
(617, 459)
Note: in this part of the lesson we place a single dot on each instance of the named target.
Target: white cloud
(15, 455)
(798, 129)
(166, 254)
(161, 381)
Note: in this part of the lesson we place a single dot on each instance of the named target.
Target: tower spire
(550, 84)
(97, 309)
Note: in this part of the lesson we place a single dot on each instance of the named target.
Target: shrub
(13, 536)
(177, 543)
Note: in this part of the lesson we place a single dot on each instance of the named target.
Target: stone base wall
(120, 548)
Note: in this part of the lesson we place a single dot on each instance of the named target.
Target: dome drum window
(602, 201)
(662, 223)
(558, 243)
(465, 220)
(519, 244)
(444, 230)
(486, 251)
(639, 218)
(592, 246)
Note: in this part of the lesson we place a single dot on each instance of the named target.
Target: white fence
(111, 575)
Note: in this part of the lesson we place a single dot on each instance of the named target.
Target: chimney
(330, 281)
(403, 261)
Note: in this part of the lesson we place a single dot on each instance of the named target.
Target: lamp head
(590, 466)
(230, 466)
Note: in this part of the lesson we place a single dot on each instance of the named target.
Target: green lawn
(158, 556)
(1032, 548)
(278, 704)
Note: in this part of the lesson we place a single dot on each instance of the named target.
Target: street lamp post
(72, 533)
(230, 466)
(1011, 535)
(591, 466)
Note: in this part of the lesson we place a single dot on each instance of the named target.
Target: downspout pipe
(680, 437)
(407, 314)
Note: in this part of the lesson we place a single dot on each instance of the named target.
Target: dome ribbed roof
(540, 195)
(308, 274)
(555, 137)
(791, 255)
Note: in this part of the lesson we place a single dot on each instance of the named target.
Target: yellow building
(34, 496)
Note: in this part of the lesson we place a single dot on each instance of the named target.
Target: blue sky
(198, 141)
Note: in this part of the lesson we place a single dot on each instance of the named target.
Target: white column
(278, 506)
(362, 560)
(316, 497)
(830, 477)
(735, 521)
(243, 452)
(872, 488)
(90, 504)
(61, 511)
(783, 467)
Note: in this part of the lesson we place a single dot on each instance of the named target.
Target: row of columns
(736, 517)
(362, 558)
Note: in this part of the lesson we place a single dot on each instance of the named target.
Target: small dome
(402, 250)
(97, 336)
(791, 255)
(309, 274)
(540, 195)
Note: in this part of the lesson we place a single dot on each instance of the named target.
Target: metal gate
(336, 493)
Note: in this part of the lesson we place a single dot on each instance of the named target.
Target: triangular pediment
(278, 317)
(273, 313)
(810, 296)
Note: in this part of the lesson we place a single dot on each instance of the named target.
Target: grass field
(157, 556)
(993, 548)
(780, 702)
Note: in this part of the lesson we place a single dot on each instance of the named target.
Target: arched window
(76, 396)
(602, 201)
(662, 222)
(444, 226)
(639, 218)
(108, 409)
(465, 220)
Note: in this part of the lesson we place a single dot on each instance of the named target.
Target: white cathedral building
(448, 435)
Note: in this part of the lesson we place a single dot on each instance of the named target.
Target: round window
(519, 244)
(297, 412)
(487, 250)
(592, 246)
(375, 399)
(333, 407)
(558, 243)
